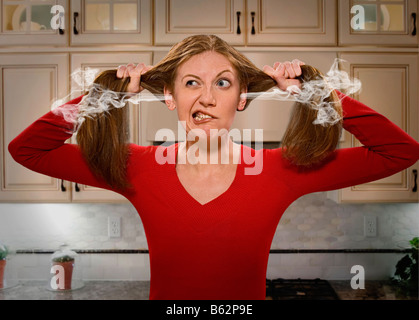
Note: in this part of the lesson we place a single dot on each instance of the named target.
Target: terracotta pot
(68, 274)
(2, 267)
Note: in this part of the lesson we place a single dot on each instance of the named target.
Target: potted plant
(406, 274)
(3, 254)
(65, 259)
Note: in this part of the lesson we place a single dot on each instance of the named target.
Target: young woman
(209, 226)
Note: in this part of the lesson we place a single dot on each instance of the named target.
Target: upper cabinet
(254, 22)
(389, 86)
(378, 22)
(90, 65)
(27, 22)
(281, 22)
(29, 84)
(177, 19)
(76, 22)
(110, 22)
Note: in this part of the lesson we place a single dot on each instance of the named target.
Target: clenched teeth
(201, 116)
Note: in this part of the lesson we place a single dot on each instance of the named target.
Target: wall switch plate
(370, 226)
(114, 227)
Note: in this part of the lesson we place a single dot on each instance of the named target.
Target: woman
(209, 227)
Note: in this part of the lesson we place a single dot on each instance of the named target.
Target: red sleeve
(386, 150)
(41, 147)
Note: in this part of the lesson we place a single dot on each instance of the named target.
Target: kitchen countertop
(139, 290)
(92, 290)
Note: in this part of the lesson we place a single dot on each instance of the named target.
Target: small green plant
(3, 252)
(65, 258)
(406, 274)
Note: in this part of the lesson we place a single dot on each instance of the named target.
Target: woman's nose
(207, 98)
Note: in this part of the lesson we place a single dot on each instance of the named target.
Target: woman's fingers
(134, 72)
(289, 69)
(296, 65)
(285, 73)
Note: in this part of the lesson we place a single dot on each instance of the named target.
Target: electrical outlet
(114, 227)
(370, 226)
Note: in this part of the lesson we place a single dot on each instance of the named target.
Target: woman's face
(206, 92)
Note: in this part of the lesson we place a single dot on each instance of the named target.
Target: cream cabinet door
(389, 86)
(177, 19)
(281, 22)
(378, 22)
(270, 115)
(29, 84)
(27, 22)
(87, 65)
(111, 22)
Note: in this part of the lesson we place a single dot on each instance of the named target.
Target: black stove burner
(299, 289)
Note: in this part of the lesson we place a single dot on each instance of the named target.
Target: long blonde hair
(103, 139)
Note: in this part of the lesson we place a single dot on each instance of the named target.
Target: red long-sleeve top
(220, 250)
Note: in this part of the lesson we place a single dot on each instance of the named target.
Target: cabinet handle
(63, 188)
(238, 13)
(253, 22)
(75, 16)
(415, 174)
(77, 187)
(414, 23)
(60, 30)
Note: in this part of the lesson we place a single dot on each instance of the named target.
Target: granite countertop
(92, 290)
(139, 290)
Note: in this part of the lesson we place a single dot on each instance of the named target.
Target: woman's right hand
(134, 72)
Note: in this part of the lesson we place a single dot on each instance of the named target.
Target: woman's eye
(223, 83)
(191, 83)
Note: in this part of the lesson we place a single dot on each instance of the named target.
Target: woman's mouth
(201, 117)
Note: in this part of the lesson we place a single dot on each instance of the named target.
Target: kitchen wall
(312, 222)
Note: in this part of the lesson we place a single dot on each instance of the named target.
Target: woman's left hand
(285, 73)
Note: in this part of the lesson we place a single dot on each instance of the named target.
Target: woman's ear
(168, 98)
(243, 101)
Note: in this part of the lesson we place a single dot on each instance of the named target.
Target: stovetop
(299, 289)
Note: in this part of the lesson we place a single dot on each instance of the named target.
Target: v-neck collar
(221, 196)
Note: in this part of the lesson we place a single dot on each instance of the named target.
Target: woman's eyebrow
(197, 77)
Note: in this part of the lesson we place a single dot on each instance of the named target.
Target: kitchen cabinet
(378, 22)
(111, 22)
(262, 22)
(154, 115)
(27, 22)
(177, 19)
(281, 22)
(389, 86)
(29, 84)
(270, 115)
(92, 64)
(256, 22)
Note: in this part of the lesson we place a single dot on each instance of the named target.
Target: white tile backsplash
(311, 222)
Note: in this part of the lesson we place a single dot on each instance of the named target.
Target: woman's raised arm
(41, 147)
(386, 150)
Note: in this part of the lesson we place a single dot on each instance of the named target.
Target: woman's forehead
(206, 62)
